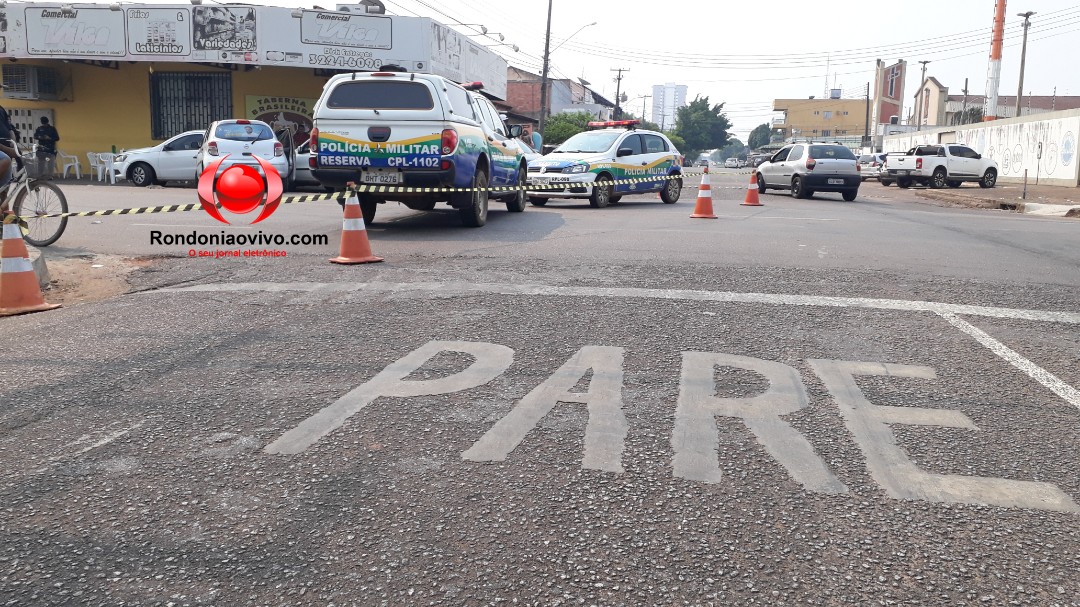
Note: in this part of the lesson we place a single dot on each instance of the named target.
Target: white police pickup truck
(939, 166)
(416, 134)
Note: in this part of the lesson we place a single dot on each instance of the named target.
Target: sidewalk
(1048, 200)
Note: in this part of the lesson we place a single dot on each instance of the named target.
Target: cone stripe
(353, 224)
(11, 230)
(752, 186)
(15, 264)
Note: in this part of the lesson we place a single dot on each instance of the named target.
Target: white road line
(1044, 377)
(637, 293)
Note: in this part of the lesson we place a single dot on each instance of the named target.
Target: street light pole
(544, 75)
(643, 98)
(1023, 57)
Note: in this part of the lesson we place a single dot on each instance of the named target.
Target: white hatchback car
(171, 160)
(242, 140)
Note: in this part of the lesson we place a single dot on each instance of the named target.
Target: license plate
(381, 178)
(836, 182)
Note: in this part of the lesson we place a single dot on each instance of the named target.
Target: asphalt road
(811, 402)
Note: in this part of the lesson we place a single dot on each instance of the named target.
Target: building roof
(935, 82)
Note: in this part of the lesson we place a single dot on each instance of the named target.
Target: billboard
(247, 34)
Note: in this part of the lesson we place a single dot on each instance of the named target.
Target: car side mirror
(515, 130)
(168, 148)
(624, 152)
(978, 156)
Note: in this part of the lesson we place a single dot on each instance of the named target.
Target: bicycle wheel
(41, 198)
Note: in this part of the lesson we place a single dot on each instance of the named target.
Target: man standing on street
(46, 137)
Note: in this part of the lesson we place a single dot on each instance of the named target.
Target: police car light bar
(629, 123)
(472, 86)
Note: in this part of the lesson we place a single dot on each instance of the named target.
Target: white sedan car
(172, 160)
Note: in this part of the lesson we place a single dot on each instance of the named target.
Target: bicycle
(36, 202)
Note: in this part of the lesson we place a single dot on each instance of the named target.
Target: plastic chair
(95, 164)
(69, 161)
(106, 159)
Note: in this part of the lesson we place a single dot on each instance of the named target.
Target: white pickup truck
(939, 166)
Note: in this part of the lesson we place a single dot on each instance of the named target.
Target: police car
(616, 151)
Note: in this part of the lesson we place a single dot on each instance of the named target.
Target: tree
(733, 149)
(761, 135)
(971, 115)
(702, 126)
(562, 126)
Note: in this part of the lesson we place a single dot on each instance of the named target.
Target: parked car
(640, 161)
(420, 131)
(741, 164)
(870, 165)
(806, 168)
(939, 166)
(238, 142)
(170, 160)
(302, 174)
(526, 150)
(731, 163)
(702, 162)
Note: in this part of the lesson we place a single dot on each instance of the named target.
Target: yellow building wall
(801, 116)
(102, 108)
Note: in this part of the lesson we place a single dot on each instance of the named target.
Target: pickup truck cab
(414, 133)
(939, 166)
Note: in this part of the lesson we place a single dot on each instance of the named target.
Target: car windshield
(831, 152)
(236, 131)
(589, 141)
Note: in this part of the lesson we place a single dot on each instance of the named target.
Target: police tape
(367, 188)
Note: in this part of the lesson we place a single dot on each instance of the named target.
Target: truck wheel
(517, 203)
(798, 188)
(475, 214)
(989, 179)
(537, 201)
(601, 194)
(938, 179)
(671, 192)
(367, 209)
(903, 182)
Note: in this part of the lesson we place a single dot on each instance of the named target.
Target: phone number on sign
(344, 61)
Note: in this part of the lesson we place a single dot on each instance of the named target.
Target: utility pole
(963, 112)
(1023, 57)
(618, 87)
(644, 97)
(544, 75)
(922, 93)
(866, 129)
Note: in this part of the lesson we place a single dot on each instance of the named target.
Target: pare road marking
(695, 440)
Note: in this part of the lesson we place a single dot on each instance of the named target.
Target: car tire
(517, 203)
(615, 199)
(601, 195)
(903, 182)
(141, 174)
(475, 214)
(939, 178)
(989, 179)
(672, 190)
(798, 188)
(537, 201)
(760, 183)
(886, 182)
(850, 195)
(368, 206)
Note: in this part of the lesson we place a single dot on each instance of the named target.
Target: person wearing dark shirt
(46, 136)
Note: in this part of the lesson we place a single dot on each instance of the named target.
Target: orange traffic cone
(19, 289)
(752, 193)
(703, 208)
(355, 247)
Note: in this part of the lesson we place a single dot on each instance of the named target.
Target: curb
(968, 201)
(41, 269)
(1020, 206)
(1049, 210)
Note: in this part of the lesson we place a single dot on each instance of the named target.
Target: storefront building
(121, 76)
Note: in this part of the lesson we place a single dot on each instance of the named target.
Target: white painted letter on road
(890, 466)
(491, 361)
(606, 430)
(695, 438)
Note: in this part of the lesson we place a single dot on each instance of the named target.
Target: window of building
(816, 112)
(31, 82)
(845, 113)
(184, 101)
(826, 133)
(828, 115)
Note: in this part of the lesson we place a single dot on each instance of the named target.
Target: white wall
(1014, 144)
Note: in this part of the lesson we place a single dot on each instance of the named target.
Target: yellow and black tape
(367, 189)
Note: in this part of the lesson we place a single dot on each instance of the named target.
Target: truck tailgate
(403, 144)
